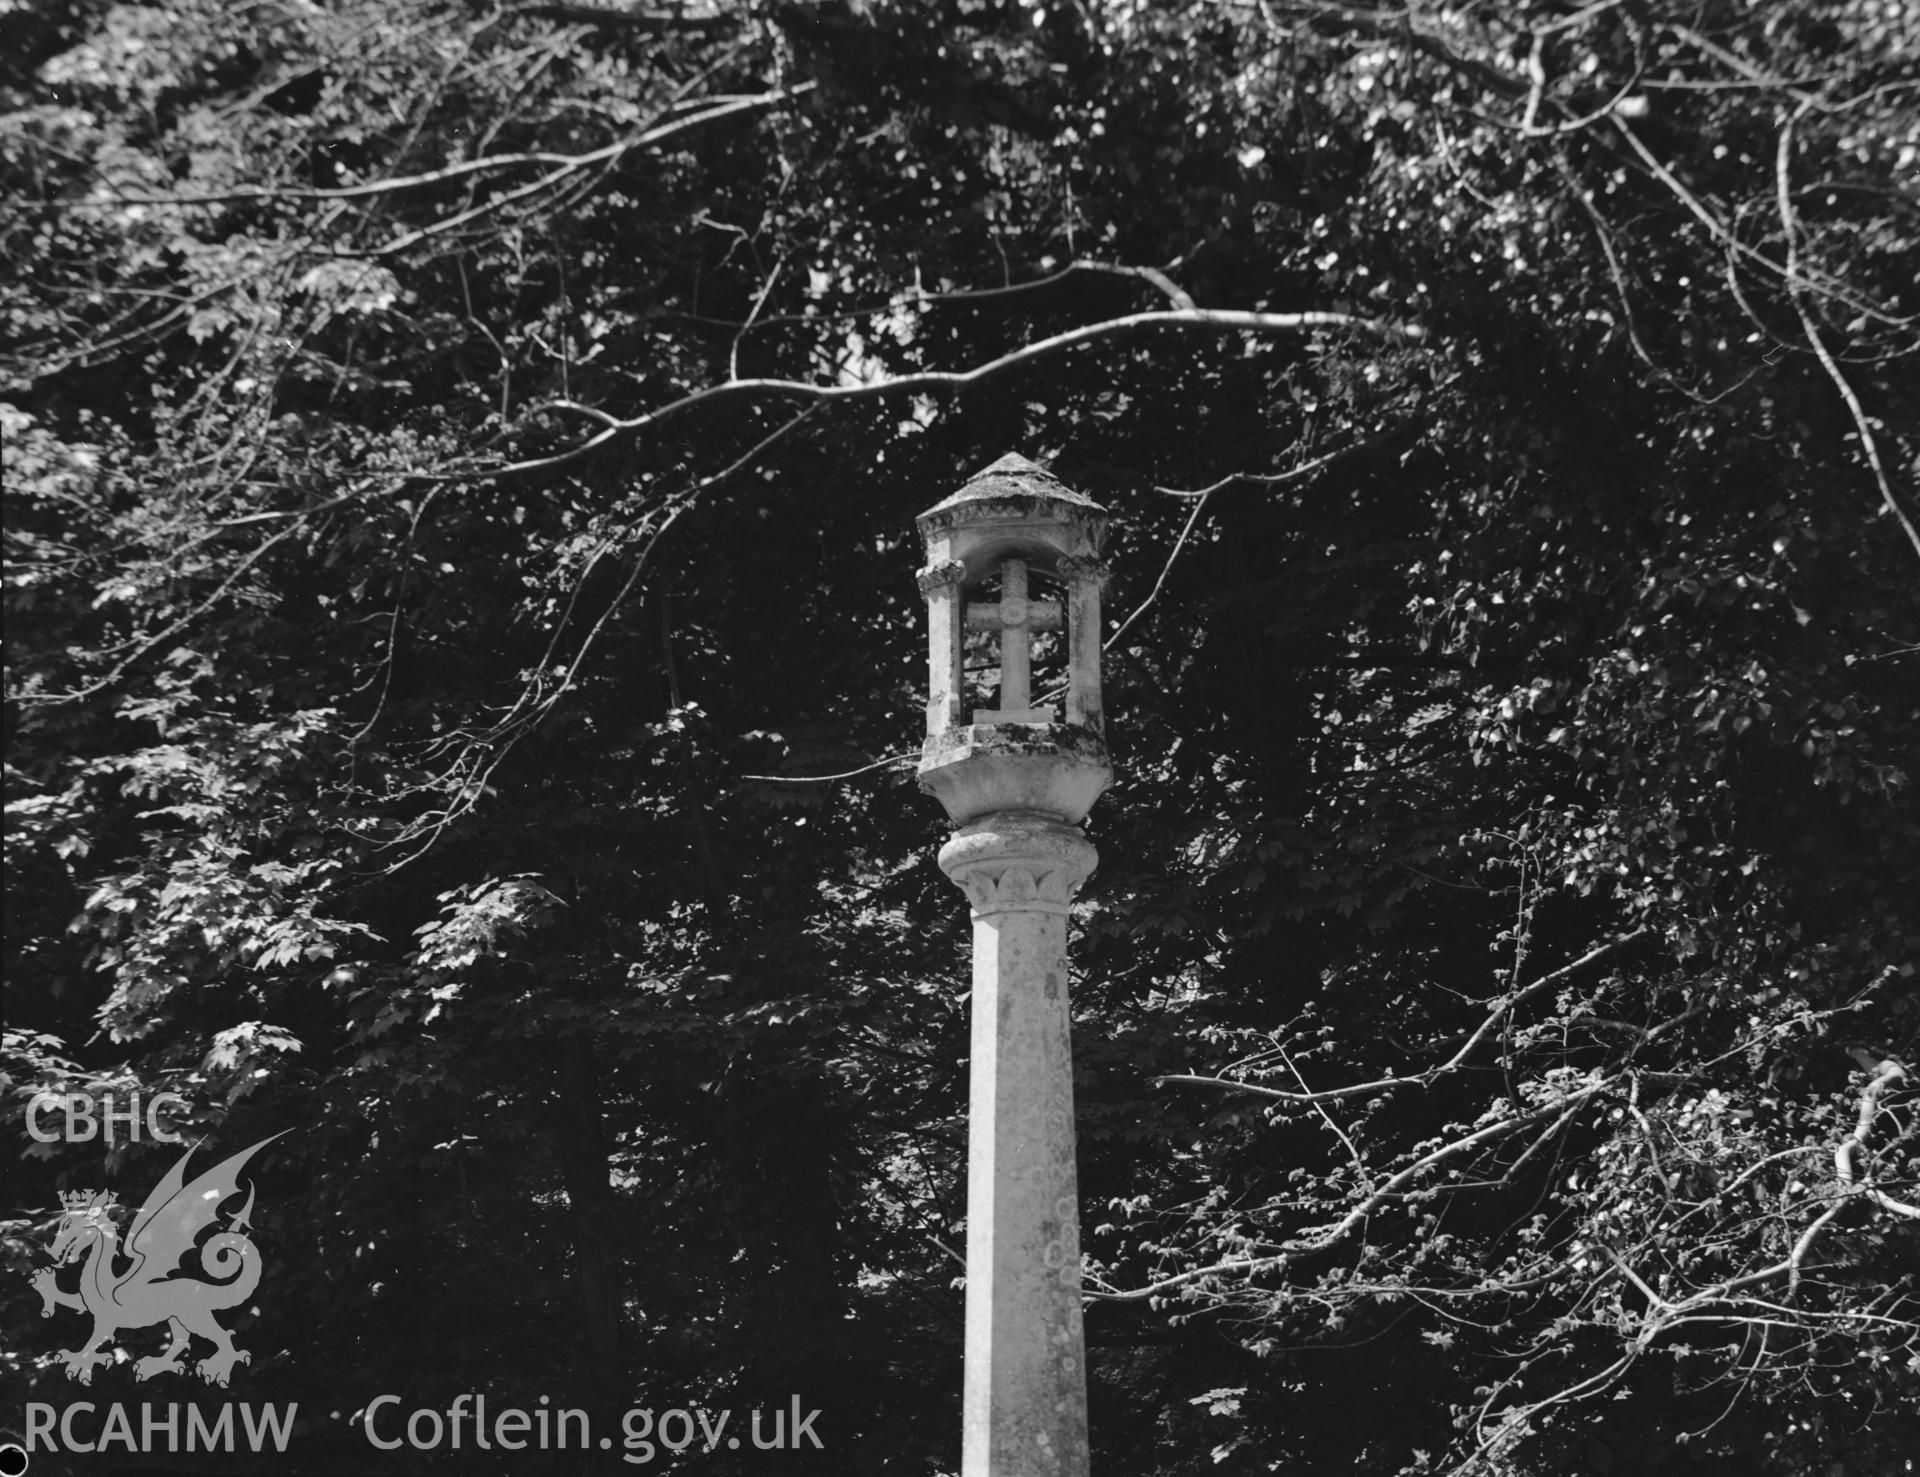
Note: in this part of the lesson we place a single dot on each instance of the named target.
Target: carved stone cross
(1016, 618)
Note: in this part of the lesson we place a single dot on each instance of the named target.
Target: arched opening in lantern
(1014, 655)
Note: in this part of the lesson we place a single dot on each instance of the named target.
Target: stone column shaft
(1024, 1407)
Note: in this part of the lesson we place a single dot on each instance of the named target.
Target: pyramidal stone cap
(1014, 508)
(1012, 478)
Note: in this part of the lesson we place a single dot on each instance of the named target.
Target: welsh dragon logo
(151, 1280)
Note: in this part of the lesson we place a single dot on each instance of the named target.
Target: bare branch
(1578, 18)
(1327, 1239)
(1889, 1072)
(1166, 569)
(1724, 234)
(1746, 69)
(608, 155)
(1217, 320)
(1267, 479)
(826, 779)
(1416, 26)
(1175, 293)
(1452, 1064)
(920, 296)
(508, 731)
(649, 22)
(654, 132)
(1868, 443)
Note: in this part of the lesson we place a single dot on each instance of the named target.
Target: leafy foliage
(460, 466)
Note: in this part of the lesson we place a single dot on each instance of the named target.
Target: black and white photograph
(960, 738)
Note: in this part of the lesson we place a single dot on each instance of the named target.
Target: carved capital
(1016, 887)
(938, 576)
(1018, 862)
(1075, 567)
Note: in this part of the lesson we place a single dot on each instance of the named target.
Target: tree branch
(1326, 1240)
(1719, 230)
(1166, 569)
(918, 295)
(1889, 1073)
(650, 22)
(721, 107)
(1782, 162)
(1217, 320)
(1452, 1064)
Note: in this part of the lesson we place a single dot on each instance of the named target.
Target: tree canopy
(464, 675)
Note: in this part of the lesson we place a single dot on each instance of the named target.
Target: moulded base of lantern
(976, 769)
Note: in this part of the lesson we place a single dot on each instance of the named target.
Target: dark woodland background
(460, 463)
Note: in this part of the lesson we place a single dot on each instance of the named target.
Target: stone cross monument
(1017, 779)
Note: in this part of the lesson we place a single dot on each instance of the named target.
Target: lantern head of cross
(1016, 523)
